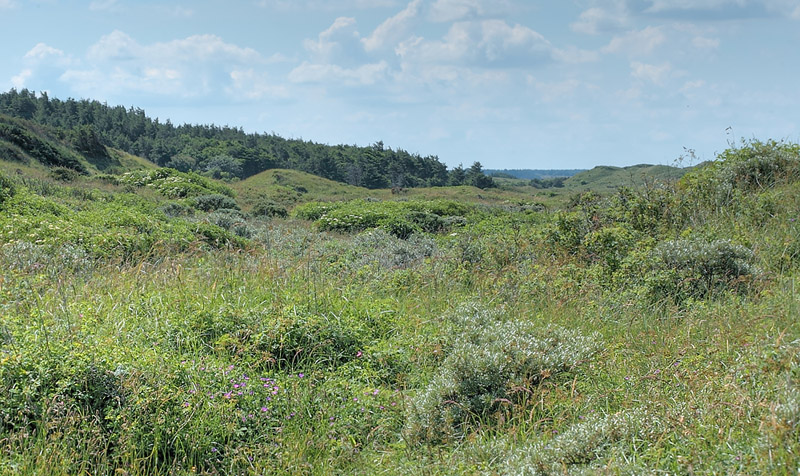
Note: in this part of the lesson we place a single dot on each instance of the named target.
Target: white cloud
(690, 5)
(368, 74)
(7, 4)
(193, 66)
(118, 46)
(637, 42)
(329, 43)
(486, 43)
(555, 91)
(251, 84)
(445, 11)
(597, 20)
(393, 29)
(573, 55)
(42, 51)
(703, 43)
(19, 80)
(655, 74)
(327, 5)
(451, 10)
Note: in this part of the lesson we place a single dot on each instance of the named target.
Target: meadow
(161, 322)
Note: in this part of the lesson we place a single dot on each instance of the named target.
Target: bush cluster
(174, 184)
(487, 362)
(401, 219)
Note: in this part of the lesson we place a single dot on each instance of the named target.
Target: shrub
(63, 174)
(582, 445)
(231, 220)
(487, 359)
(216, 201)
(683, 269)
(267, 208)
(175, 209)
(610, 245)
(174, 184)
(7, 188)
(754, 166)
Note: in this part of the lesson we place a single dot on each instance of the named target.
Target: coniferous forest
(229, 152)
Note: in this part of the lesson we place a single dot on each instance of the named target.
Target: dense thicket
(227, 152)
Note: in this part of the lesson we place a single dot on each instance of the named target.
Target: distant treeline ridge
(225, 152)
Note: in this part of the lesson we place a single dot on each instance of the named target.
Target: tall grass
(637, 333)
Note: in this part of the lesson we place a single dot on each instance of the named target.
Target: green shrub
(268, 208)
(752, 167)
(568, 230)
(231, 220)
(63, 174)
(583, 445)
(175, 209)
(683, 269)
(7, 188)
(216, 201)
(487, 359)
(610, 245)
(174, 184)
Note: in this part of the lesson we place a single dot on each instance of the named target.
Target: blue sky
(509, 83)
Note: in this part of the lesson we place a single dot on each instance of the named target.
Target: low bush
(216, 201)
(754, 166)
(174, 184)
(268, 208)
(7, 188)
(584, 446)
(487, 360)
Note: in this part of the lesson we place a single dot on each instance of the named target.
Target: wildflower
(264, 409)
(359, 354)
(300, 375)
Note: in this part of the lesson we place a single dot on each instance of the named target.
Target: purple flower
(301, 375)
(263, 409)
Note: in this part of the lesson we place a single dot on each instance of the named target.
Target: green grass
(645, 330)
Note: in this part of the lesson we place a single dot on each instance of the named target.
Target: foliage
(221, 152)
(214, 201)
(754, 166)
(401, 219)
(616, 334)
(683, 269)
(268, 208)
(47, 152)
(174, 184)
(7, 188)
(491, 363)
(583, 445)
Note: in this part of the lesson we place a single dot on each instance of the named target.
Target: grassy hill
(161, 322)
(607, 177)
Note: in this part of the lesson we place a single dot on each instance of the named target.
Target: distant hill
(532, 173)
(604, 176)
(30, 144)
(218, 152)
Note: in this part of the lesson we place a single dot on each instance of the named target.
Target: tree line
(225, 152)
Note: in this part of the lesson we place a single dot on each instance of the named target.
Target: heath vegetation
(153, 322)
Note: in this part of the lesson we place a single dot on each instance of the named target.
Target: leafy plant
(488, 359)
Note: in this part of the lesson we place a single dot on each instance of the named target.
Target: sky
(510, 83)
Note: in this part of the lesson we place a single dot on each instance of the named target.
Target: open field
(159, 322)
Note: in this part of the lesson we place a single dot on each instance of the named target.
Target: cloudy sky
(509, 83)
